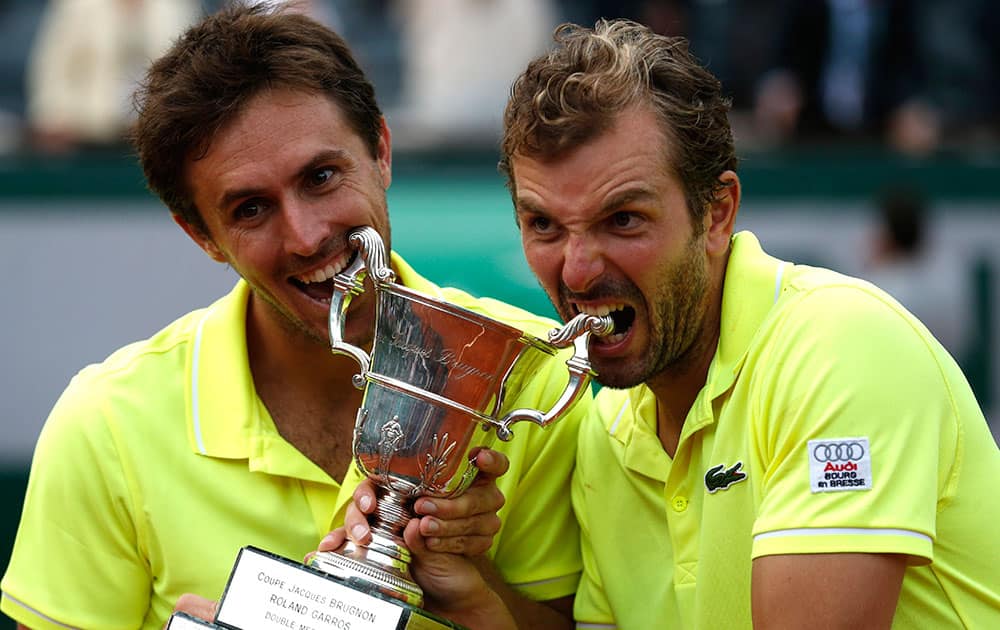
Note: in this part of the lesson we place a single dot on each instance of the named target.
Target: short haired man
(232, 426)
(776, 445)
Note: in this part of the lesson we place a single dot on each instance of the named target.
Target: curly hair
(216, 67)
(574, 93)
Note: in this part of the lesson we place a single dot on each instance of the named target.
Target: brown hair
(573, 93)
(212, 71)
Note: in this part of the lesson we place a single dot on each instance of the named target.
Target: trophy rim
(469, 315)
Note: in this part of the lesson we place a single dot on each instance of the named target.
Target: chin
(616, 379)
(614, 383)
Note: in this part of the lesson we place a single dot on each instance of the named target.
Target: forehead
(281, 117)
(632, 153)
(274, 134)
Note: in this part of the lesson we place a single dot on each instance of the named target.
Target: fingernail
(428, 507)
(359, 531)
(485, 458)
(365, 502)
(431, 525)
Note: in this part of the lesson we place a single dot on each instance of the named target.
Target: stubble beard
(301, 330)
(292, 325)
(676, 313)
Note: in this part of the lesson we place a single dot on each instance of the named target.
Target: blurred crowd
(917, 76)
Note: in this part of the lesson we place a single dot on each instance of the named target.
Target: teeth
(321, 275)
(601, 310)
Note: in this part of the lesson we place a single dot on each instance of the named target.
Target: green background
(453, 221)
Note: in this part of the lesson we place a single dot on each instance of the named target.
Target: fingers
(482, 496)
(414, 540)
(356, 525)
(196, 606)
(364, 496)
(423, 546)
(459, 545)
(470, 535)
(491, 464)
(333, 541)
(479, 499)
(454, 586)
(462, 525)
(355, 519)
(465, 524)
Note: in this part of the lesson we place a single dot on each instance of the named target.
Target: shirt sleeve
(855, 429)
(76, 560)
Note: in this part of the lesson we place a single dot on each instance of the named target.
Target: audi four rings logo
(839, 452)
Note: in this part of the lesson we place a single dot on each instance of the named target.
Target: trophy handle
(350, 282)
(577, 331)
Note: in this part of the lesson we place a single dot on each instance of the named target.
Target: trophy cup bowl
(434, 387)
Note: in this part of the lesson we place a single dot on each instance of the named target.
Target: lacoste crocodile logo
(717, 479)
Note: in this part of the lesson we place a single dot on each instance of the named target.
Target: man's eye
(248, 210)
(623, 219)
(321, 176)
(540, 224)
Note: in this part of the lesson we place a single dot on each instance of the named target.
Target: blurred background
(869, 134)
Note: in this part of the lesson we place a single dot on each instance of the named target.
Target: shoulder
(148, 358)
(826, 316)
(838, 355)
(842, 336)
(142, 378)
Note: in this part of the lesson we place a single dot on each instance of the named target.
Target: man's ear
(384, 154)
(721, 216)
(200, 238)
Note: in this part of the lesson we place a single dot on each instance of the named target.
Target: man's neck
(678, 386)
(675, 394)
(306, 389)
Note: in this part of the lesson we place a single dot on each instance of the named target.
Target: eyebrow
(232, 195)
(626, 197)
(610, 205)
(331, 155)
(522, 206)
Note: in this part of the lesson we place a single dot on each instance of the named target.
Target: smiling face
(606, 228)
(279, 189)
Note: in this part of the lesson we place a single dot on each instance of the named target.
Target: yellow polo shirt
(831, 421)
(158, 464)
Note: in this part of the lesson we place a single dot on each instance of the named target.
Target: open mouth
(319, 291)
(318, 284)
(621, 314)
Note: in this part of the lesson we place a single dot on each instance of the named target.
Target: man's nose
(306, 229)
(583, 263)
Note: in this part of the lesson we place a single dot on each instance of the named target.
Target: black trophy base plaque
(269, 592)
(184, 621)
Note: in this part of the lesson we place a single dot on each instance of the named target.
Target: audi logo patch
(851, 451)
(840, 464)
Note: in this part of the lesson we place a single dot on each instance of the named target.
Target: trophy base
(269, 592)
(369, 568)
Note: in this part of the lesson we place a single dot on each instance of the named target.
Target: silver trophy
(434, 388)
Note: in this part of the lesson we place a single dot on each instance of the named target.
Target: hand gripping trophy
(434, 388)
